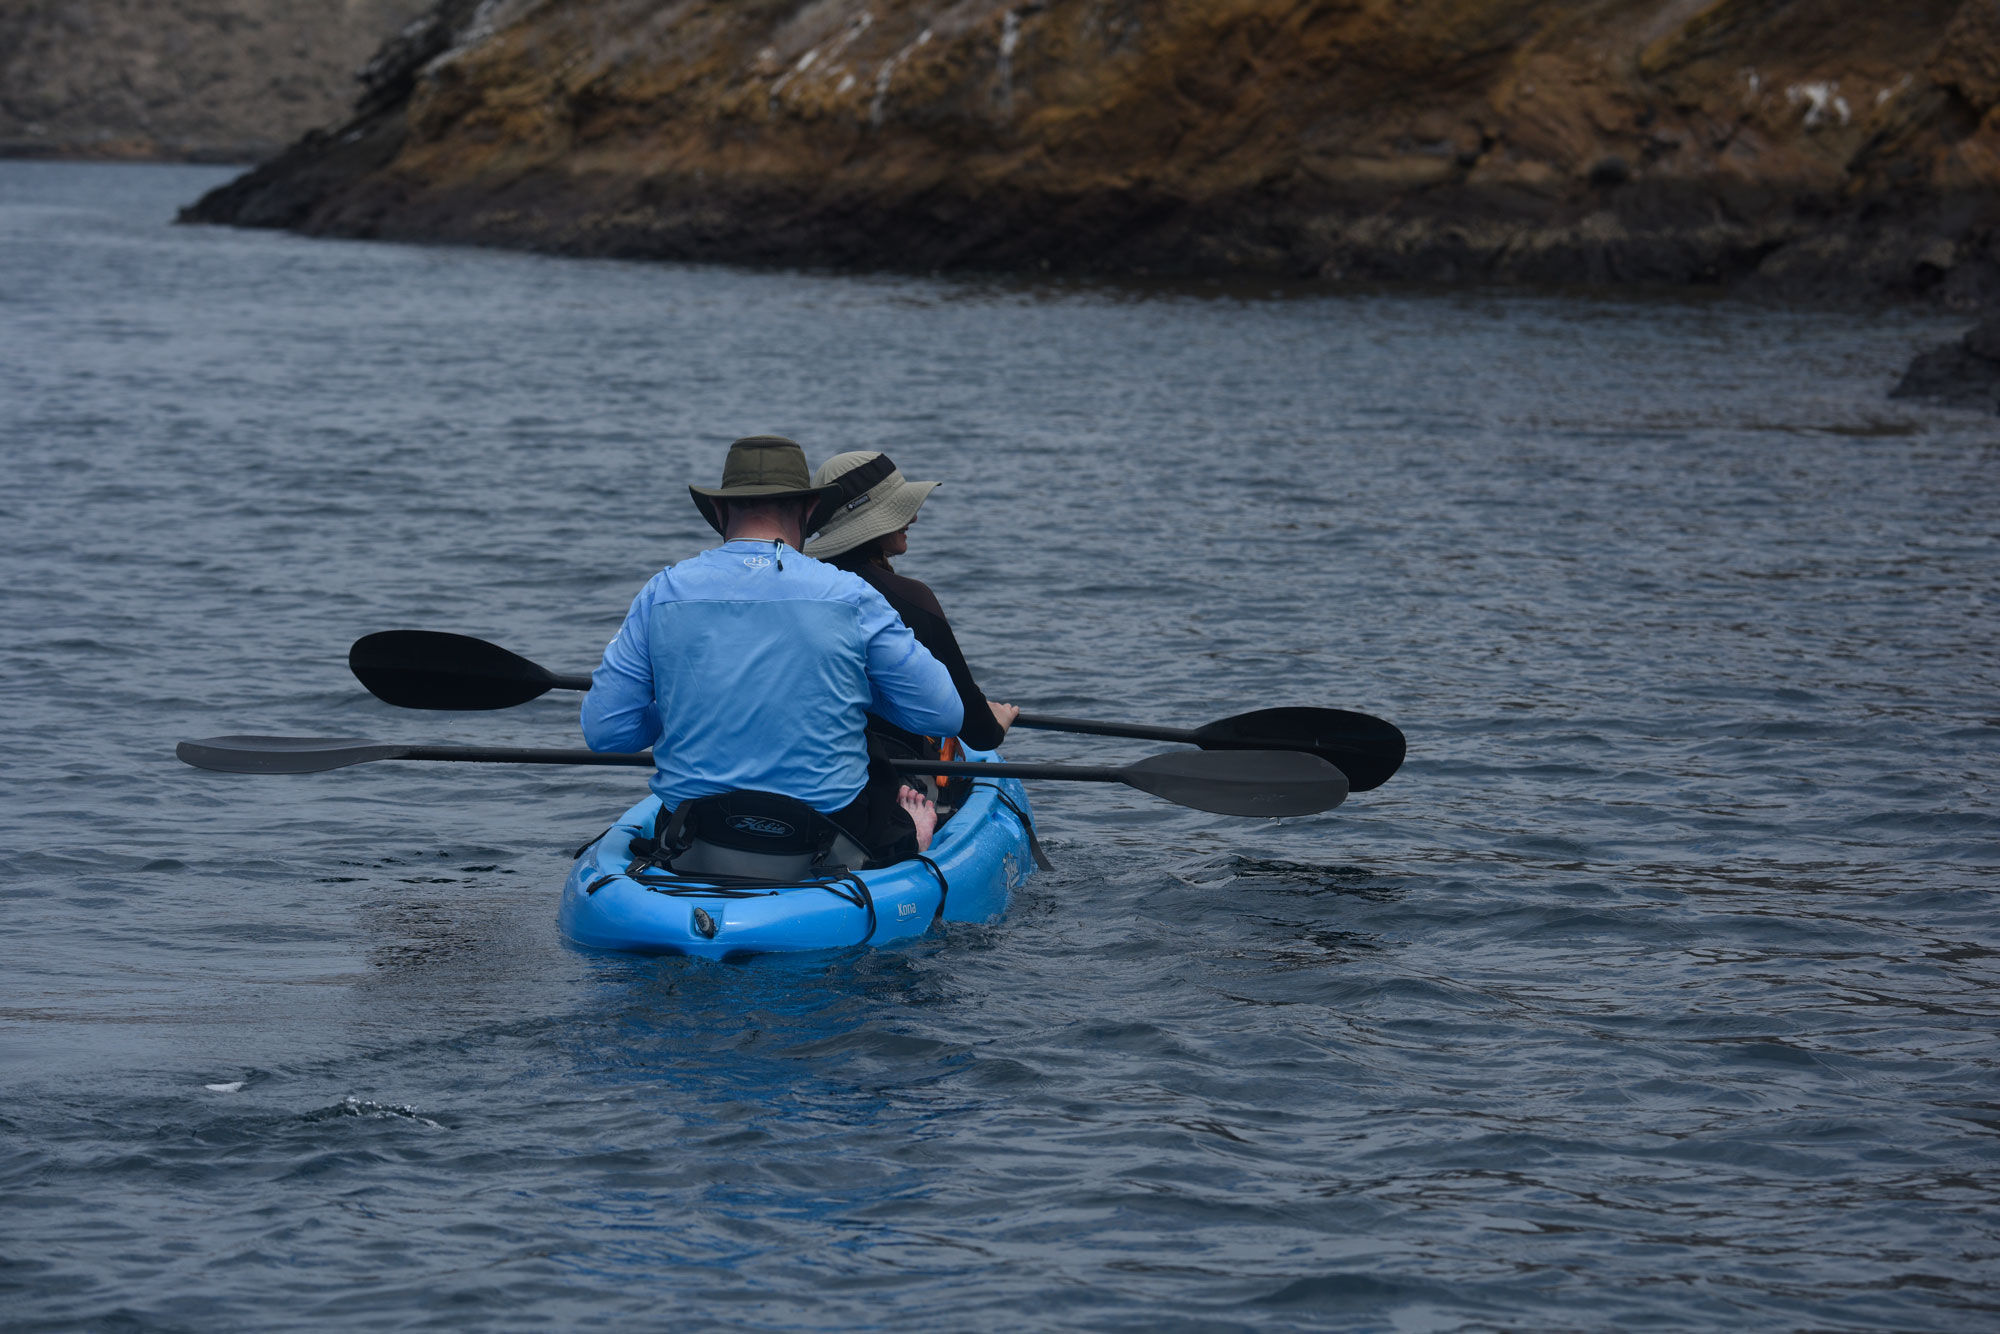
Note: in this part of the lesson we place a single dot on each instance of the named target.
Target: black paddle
(429, 669)
(1365, 748)
(1239, 783)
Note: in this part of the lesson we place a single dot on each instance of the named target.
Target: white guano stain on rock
(487, 20)
(825, 58)
(1819, 99)
(799, 66)
(879, 104)
(861, 23)
(1010, 37)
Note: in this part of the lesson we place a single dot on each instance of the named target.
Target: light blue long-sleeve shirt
(745, 675)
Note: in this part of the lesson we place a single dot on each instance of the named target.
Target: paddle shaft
(523, 755)
(644, 759)
(1044, 722)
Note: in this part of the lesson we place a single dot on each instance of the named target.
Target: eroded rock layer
(1807, 146)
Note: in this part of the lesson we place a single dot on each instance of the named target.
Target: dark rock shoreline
(1961, 374)
(1749, 145)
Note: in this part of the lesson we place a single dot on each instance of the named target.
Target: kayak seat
(764, 836)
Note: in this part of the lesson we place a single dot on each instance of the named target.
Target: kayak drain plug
(704, 923)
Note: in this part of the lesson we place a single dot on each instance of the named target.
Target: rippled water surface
(1658, 990)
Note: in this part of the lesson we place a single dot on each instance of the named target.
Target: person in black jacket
(869, 525)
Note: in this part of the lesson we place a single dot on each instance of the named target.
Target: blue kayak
(976, 861)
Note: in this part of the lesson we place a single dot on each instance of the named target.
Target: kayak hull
(978, 859)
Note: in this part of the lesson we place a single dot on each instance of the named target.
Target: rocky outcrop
(207, 80)
(1807, 147)
(1961, 374)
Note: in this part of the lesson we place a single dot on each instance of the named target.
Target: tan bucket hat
(765, 467)
(874, 500)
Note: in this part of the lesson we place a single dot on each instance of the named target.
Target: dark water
(1657, 991)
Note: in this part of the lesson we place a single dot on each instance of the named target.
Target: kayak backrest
(756, 835)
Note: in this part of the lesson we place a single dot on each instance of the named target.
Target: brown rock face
(1808, 146)
(215, 80)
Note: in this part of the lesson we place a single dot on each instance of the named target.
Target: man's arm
(911, 688)
(981, 729)
(619, 712)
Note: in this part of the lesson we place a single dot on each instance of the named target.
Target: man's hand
(1004, 714)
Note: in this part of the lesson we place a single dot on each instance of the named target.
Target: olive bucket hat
(766, 467)
(874, 500)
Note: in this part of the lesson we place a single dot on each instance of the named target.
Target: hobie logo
(756, 562)
(760, 825)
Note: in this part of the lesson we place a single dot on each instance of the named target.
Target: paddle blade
(1241, 782)
(282, 754)
(1365, 748)
(429, 669)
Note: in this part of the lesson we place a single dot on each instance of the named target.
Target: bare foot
(922, 814)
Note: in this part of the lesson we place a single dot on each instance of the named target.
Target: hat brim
(848, 529)
(706, 496)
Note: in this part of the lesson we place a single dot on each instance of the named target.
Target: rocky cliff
(1803, 146)
(216, 80)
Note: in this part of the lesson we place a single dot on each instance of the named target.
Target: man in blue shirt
(754, 667)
